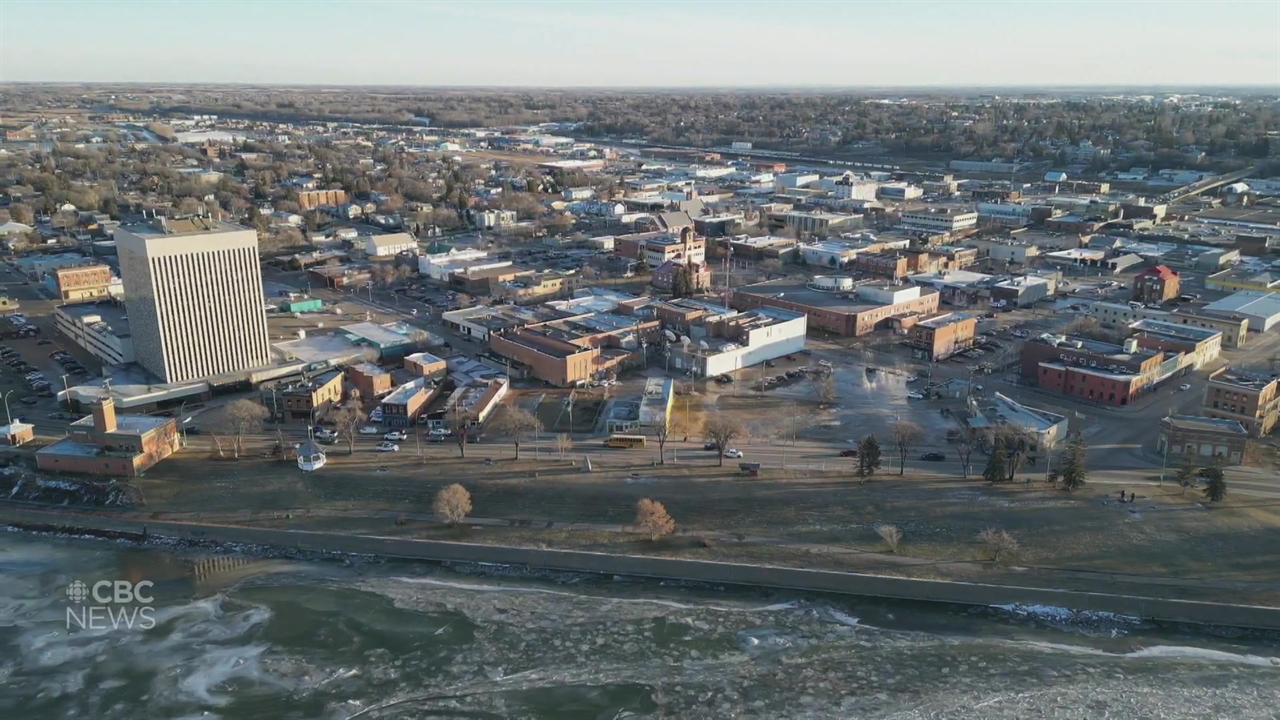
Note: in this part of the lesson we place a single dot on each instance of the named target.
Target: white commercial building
(1005, 213)
(389, 245)
(900, 191)
(100, 329)
(1261, 309)
(726, 340)
(193, 289)
(851, 187)
(796, 180)
(438, 266)
(940, 220)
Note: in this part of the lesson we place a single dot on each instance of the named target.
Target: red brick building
(940, 336)
(1094, 371)
(107, 444)
(1156, 285)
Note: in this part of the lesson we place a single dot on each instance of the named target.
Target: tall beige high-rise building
(193, 289)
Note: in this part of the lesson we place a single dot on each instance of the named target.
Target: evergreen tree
(868, 456)
(682, 282)
(997, 462)
(1215, 488)
(1073, 462)
(1186, 476)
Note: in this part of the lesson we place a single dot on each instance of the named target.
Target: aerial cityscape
(722, 396)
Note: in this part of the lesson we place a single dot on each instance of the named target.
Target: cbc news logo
(111, 605)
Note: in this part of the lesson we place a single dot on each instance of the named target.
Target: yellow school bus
(625, 441)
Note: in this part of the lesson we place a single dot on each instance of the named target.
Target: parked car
(369, 430)
(28, 401)
(851, 452)
(933, 457)
(915, 395)
(387, 447)
(1184, 386)
(734, 453)
(397, 435)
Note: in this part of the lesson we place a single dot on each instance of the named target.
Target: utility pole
(1164, 462)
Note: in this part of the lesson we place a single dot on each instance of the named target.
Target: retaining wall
(880, 586)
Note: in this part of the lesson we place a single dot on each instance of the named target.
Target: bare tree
(652, 519)
(238, 419)
(421, 338)
(1000, 544)
(514, 423)
(825, 385)
(1017, 444)
(662, 431)
(564, 443)
(891, 536)
(460, 424)
(964, 449)
(347, 422)
(722, 431)
(452, 504)
(906, 435)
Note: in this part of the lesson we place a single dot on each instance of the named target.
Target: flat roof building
(1261, 309)
(193, 288)
(851, 312)
(100, 328)
(1252, 400)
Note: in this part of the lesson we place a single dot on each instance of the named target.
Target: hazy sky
(656, 43)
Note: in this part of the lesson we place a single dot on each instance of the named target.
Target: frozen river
(312, 639)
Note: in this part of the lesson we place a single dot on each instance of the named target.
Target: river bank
(666, 568)
(305, 638)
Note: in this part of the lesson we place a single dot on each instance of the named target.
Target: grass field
(1163, 544)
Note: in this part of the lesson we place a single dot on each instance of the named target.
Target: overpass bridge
(1205, 185)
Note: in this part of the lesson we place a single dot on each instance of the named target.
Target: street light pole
(67, 389)
(1164, 462)
(8, 417)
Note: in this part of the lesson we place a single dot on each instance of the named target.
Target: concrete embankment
(879, 586)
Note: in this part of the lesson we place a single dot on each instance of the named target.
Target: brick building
(426, 365)
(664, 277)
(369, 380)
(1202, 439)
(1156, 285)
(400, 408)
(938, 337)
(107, 444)
(576, 350)
(80, 283)
(306, 400)
(1251, 400)
(849, 314)
(1094, 371)
(310, 199)
(891, 265)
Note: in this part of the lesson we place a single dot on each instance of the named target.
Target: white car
(915, 395)
(326, 434)
(387, 447)
(369, 430)
(1184, 386)
(395, 435)
(734, 453)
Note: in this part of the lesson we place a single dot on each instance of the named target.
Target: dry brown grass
(821, 521)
